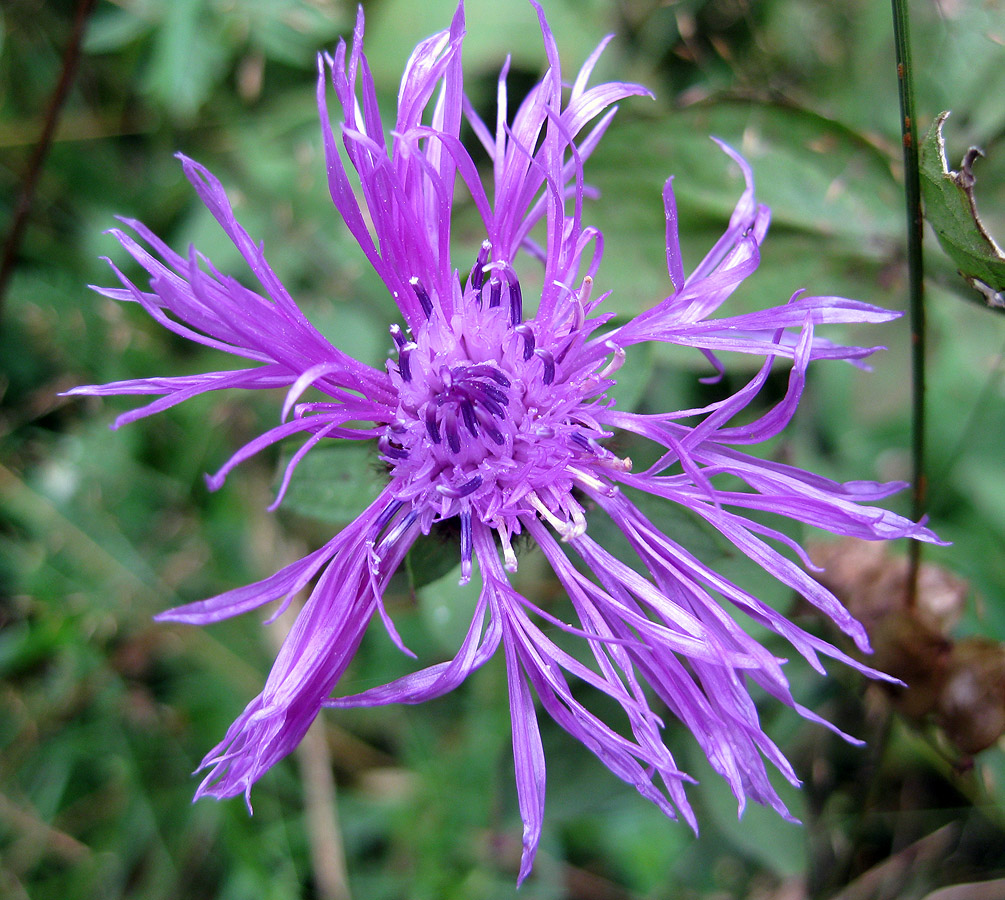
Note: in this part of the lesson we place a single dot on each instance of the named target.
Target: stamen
(495, 292)
(390, 511)
(556, 523)
(567, 530)
(404, 367)
(482, 398)
(397, 530)
(466, 546)
(509, 557)
(483, 387)
(468, 414)
(549, 364)
(453, 438)
(515, 302)
(422, 295)
(586, 480)
(469, 487)
(489, 372)
(578, 528)
(432, 428)
(392, 451)
(398, 336)
(527, 333)
(584, 298)
(621, 465)
(477, 278)
(494, 433)
(616, 362)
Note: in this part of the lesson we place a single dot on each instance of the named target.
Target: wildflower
(494, 414)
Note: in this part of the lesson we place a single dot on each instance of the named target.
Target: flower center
(490, 422)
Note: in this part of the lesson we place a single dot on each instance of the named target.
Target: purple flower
(496, 414)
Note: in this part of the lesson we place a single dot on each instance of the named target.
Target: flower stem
(915, 273)
(22, 208)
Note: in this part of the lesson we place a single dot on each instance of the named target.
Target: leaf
(335, 483)
(831, 194)
(760, 834)
(432, 556)
(187, 59)
(447, 606)
(951, 209)
(114, 30)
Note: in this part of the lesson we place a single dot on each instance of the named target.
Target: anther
(466, 546)
(453, 438)
(477, 278)
(468, 414)
(490, 403)
(389, 449)
(421, 295)
(527, 333)
(398, 336)
(495, 292)
(431, 427)
(515, 302)
(487, 371)
(404, 367)
(549, 364)
(469, 487)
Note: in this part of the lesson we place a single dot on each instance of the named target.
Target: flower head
(494, 413)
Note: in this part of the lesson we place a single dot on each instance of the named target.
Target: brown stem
(22, 207)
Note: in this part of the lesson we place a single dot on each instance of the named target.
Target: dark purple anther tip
(468, 414)
(422, 295)
(431, 427)
(527, 333)
(549, 364)
(470, 486)
(453, 438)
(515, 302)
(495, 292)
(478, 272)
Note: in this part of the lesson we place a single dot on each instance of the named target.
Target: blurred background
(104, 714)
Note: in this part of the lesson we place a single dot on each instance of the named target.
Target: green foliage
(104, 713)
(336, 482)
(951, 209)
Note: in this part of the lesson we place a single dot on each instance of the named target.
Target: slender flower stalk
(494, 413)
(915, 272)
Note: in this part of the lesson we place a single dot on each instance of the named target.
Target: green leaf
(759, 833)
(187, 59)
(832, 197)
(447, 606)
(114, 30)
(335, 483)
(633, 377)
(951, 209)
(432, 556)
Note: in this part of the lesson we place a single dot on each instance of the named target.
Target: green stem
(915, 273)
